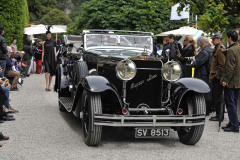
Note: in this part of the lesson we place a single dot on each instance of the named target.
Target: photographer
(174, 48)
(189, 50)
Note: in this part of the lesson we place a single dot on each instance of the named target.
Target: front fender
(96, 84)
(193, 84)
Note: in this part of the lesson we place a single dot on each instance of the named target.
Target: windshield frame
(132, 46)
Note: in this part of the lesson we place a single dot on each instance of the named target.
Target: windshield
(116, 52)
(108, 40)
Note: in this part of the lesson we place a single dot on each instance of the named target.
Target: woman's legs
(50, 81)
(47, 79)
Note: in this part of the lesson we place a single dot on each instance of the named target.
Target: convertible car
(113, 79)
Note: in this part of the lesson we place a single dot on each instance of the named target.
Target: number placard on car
(152, 132)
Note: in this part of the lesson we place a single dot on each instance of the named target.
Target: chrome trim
(90, 31)
(91, 71)
(158, 69)
(150, 110)
(153, 120)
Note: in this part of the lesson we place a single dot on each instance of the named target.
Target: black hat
(1, 28)
(217, 35)
(48, 29)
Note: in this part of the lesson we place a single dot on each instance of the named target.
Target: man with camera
(174, 49)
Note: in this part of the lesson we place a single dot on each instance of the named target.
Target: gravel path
(41, 132)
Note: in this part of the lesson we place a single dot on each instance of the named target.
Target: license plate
(152, 132)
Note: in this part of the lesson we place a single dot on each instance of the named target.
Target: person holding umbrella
(217, 64)
(231, 81)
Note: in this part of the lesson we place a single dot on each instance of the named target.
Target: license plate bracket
(152, 132)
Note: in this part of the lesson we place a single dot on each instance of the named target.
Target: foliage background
(56, 17)
(13, 16)
(38, 8)
(214, 15)
(152, 16)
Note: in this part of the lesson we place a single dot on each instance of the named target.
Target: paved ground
(41, 132)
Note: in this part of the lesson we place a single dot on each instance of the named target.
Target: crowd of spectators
(15, 66)
(218, 67)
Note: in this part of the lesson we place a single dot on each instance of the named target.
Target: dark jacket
(201, 63)
(187, 51)
(231, 71)
(3, 48)
(28, 52)
(8, 64)
(38, 52)
(217, 63)
(174, 51)
(165, 47)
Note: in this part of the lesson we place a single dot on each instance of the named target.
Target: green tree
(214, 15)
(141, 15)
(13, 16)
(56, 17)
(38, 8)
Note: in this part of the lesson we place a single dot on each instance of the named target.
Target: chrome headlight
(171, 71)
(126, 70)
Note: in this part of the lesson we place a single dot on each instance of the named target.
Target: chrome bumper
(149, 120)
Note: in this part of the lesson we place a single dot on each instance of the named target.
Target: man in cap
(231, 81)
(217, 64)
(3, 51)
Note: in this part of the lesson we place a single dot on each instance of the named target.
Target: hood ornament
(144, 53)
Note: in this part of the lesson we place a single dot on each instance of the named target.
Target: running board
(66, 102)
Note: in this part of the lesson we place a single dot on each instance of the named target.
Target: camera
(3, 79)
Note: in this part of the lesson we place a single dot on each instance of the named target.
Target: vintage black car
(114, 80)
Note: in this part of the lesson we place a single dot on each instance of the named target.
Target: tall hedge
(13, 16)
(56, 17)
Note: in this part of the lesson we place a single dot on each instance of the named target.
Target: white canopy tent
(183, 31)
(41, 29)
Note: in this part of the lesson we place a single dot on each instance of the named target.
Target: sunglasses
(185, 40)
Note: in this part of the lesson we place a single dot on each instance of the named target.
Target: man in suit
(200, 63)
(231, 81)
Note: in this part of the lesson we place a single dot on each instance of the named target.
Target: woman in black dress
(49, 59)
